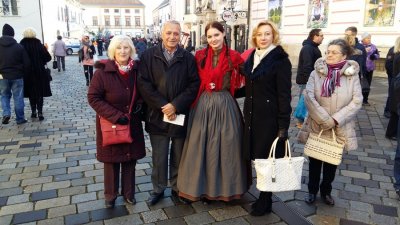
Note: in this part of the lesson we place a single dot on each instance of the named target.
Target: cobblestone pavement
(49, 173)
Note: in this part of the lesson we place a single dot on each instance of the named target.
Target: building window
(116, 10)
(117, 21)
(137, 21)
(187, 6)
(95, 21)
(128, 21)
(127, 11)
(137, 11)
(9, 7)
(107, 20)
(106, 10)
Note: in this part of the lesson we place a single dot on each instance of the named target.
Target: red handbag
(116, 133)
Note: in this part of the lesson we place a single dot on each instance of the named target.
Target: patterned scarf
(124, 70)
(332, 79)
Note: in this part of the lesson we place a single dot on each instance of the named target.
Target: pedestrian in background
(110, 94)
(395, 113)
(267, 104)
(392, 128)
(333, 98)
(60, 51)
(309, 53)
(86, 53)
(389, 72)
(100, 46)
(168, 83)
(361, 58)
(212, 166)
(14, 64)
(372, 56)
(37, 81)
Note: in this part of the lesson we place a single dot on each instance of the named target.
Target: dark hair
(345, 47)
(217, 25)
(313, 32)
(353, 29)
(59, 37)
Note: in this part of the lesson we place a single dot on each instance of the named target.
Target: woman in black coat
(267, 105)
(110, 95)
(37, 81)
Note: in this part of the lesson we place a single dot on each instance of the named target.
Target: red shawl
(212, 78)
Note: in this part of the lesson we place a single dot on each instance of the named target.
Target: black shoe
(177, 199)
(310, 198)
(366, 104)
(261, 209)
(130, 201)
(387, 114)
(327, 199)
(155, 197)
(22, 121)
(263, 205)
(40, 115)
(58, 70)
(33, 115)
(6, 120)
(393, 138)
(109, 204)
(205, 201)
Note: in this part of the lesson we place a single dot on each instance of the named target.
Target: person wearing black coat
(267, 104)
(389, 72)
(14, 63)
(309, 53)
(37, 81)
(392, 128)
(168, 82)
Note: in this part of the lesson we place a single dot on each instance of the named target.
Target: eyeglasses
(332, 52)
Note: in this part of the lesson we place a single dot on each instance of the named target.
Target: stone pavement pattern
(49, 173)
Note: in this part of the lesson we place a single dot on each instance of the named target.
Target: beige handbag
(326, 150)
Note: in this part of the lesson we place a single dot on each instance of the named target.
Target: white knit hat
(365, 35)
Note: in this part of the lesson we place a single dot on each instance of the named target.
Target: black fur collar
(266, 65)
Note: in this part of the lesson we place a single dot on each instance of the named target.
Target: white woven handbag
(326, 150)
(276, 175)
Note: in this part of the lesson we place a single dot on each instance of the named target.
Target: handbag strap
(333, 134)
(273, 149)
(134, 94)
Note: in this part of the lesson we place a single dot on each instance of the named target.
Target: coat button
(267, 100)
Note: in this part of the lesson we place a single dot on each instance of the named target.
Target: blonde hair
(29, 32)
(396, 48)
(116, 41)
(275, 32)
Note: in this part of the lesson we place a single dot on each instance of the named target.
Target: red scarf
(212, 78)
(124, 70)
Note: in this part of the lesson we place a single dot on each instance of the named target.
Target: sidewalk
(49, 173)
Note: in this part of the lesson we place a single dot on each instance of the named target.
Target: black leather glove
(372, 57)
(283, 134)
(123, 120)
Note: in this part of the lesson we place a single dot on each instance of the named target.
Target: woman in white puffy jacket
(333, 97)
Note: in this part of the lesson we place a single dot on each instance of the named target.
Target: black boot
(263, 205)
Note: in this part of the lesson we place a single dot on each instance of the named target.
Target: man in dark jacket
(309, 53)
(168, 82)
(363, 67)
(14, 62)
(395, 106)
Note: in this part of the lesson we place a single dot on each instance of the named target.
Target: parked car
(72, 45)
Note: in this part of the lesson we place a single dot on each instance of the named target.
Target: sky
(150, 5)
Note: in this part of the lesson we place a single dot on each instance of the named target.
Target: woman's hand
(329, 124)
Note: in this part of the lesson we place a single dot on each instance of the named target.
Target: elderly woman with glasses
(333, 98)
(86, 53)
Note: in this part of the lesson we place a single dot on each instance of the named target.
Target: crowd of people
(189, 108)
